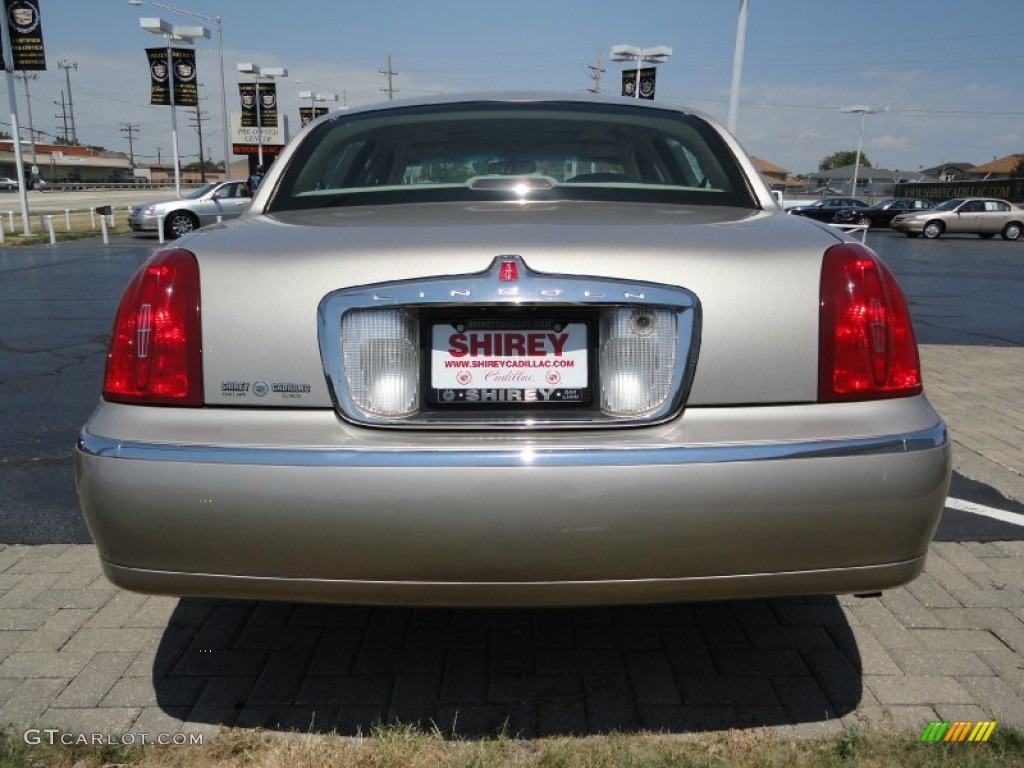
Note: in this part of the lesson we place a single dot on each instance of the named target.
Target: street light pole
(25, 77)
(12, 99)
(216, 22)
(171, 34)
(737, 66)
(863, 111)
(657, 55)
(247, 67)
(314, 97)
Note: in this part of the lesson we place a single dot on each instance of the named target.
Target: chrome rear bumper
(514, 521)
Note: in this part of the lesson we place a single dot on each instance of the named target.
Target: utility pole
(198, 125)
(389, 75)
(595, 73)
(63, 117)
(131, 129)
(67, 66)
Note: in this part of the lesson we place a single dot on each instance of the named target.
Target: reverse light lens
(380, 353)
(155, 353)
(867, 349)
(638, 359)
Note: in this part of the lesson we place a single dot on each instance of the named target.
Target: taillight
(155, 354)
(867, 349)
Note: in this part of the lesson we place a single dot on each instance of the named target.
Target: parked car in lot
(881, 213)
(985, 217)
(523, 350)
(7, 184)
(221, 199)
(826, 208)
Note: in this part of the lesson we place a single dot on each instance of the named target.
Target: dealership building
(62, 163)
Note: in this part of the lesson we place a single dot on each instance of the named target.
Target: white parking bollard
(10, 215)
(160, 228)
(92, 219)
(67, 219)
(49, 228)
(103, 226)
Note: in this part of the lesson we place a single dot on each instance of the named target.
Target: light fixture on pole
(173, 34)
(657, 55)
(216, 22)
(314, 97)
(247, 67)
(863, 111)
(330, 89)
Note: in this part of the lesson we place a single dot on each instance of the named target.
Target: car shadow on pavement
(526, 673)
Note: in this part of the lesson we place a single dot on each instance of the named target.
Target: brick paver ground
(79, 655)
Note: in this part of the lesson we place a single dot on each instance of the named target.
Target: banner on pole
(267, 107)
(308, 114)
(183, 66)
(26, 30)
(629, 84)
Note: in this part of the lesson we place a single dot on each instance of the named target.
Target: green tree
(843, 158)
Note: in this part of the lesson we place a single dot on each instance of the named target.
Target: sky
(946, 76)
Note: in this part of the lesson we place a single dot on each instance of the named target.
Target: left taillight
(155, 354)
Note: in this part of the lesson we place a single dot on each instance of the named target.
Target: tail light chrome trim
(530, 289)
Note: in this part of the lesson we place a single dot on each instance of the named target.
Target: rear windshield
(514, 151)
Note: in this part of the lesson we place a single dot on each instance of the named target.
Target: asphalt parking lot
(79, 655)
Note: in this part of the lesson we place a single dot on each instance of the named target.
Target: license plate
(530, 365)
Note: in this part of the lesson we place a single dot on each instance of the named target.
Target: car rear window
(512, 151)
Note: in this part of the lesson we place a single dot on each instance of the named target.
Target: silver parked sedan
(206, 205)
(519, 350)
(985, 217)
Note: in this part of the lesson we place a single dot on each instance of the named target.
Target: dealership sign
(246, 141)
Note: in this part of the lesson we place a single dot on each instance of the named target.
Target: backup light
(381, 360)
(638, 359)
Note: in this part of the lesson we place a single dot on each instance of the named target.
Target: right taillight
(867, 349)
(155, 354)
